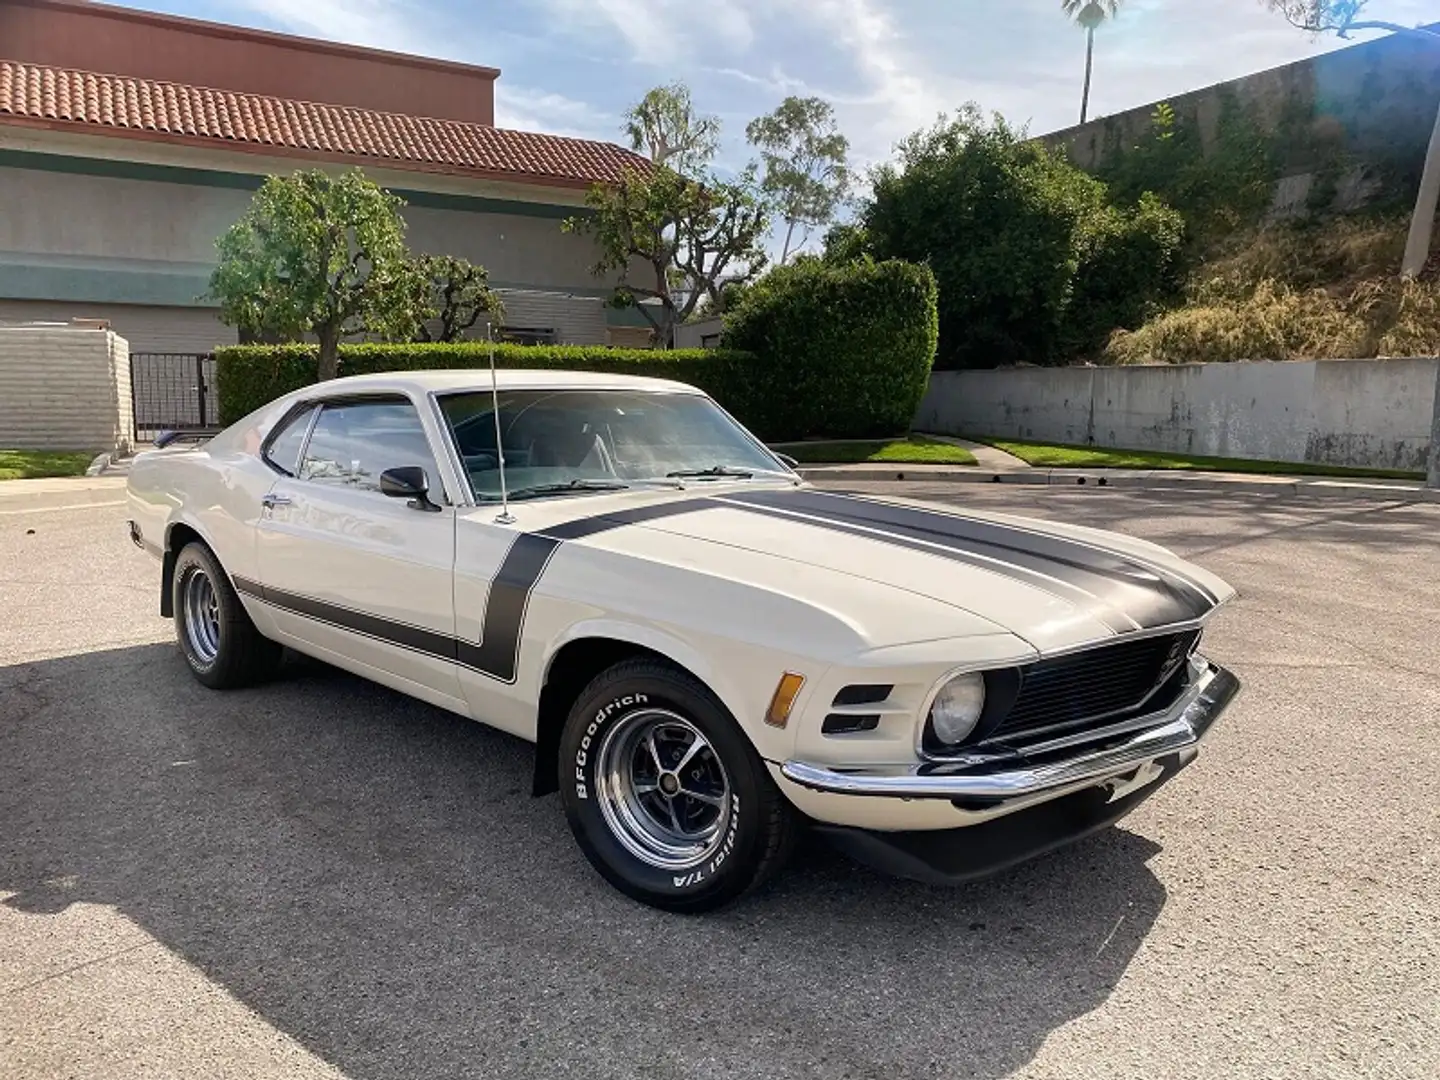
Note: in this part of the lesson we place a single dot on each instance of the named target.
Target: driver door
(351, 575)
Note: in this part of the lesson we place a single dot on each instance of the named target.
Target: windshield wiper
(726, 472)
(568, 487)
(713, 470)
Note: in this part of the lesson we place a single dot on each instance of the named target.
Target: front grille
(1100, 684)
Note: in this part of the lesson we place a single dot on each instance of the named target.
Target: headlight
(956, 709)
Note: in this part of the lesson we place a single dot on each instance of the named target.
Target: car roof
(477, 379)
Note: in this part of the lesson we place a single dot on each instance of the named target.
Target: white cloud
(662, 32)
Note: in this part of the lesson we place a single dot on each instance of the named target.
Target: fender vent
(849, 723)
(862, 694)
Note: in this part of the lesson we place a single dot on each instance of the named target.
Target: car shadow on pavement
(371, 877)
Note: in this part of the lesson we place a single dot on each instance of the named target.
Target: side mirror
(788, 460)
(408, 482)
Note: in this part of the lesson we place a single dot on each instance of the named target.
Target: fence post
(200, 387)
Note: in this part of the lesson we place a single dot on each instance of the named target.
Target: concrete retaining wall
(64, 388)
(1367, 413)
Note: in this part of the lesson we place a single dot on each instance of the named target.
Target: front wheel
(217, 638)
(665, 794)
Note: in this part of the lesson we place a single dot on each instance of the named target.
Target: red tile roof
(85, 101)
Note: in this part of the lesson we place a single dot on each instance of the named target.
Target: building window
(526, 335)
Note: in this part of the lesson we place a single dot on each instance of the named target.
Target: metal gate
(173, 392)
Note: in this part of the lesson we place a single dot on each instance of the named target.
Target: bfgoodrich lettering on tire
(665, 794)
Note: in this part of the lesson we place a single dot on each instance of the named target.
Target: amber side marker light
(778, 715)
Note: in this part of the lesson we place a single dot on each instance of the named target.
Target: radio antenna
(505, 518)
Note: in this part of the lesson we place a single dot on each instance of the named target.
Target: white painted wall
(1369, 413)
(64, 388)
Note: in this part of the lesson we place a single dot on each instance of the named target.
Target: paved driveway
(323, 878)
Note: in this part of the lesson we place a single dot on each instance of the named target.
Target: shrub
(1130, 266)
(1010, 229)
(247, 376)
(848, 347)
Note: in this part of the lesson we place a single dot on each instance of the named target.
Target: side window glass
(354, 442)
(283, 451)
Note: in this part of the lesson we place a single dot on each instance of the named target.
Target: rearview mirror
(408, 482)
(788, 460)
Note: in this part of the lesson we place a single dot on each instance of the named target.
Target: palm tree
(1089, 14)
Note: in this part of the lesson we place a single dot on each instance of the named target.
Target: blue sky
(572, 66)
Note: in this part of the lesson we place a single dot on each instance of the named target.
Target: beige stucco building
(130, 141)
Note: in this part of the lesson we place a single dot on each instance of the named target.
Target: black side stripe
(415, 638)
(497, 653)
(1118, 589)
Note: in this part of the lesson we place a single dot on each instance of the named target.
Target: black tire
(240, 656)
(754, 825)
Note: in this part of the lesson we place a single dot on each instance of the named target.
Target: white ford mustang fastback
(707, 652)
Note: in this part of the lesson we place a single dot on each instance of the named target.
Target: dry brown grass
(1296, 294)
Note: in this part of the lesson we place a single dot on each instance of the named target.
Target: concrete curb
(1156, 480)
(61, 493)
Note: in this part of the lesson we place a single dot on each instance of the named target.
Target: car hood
(1055, 586)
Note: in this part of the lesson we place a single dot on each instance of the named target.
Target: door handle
(269, 502)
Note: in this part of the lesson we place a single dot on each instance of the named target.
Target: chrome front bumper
(1177, 731)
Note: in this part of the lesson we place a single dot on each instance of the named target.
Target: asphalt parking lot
(323, 878)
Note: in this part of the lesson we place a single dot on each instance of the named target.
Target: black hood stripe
(1112, 585)
(1116, 621)
(1059, 545)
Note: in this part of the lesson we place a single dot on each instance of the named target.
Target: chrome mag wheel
(662, 789)
(202, 616)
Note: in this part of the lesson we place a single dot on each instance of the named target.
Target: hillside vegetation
(1322, 288)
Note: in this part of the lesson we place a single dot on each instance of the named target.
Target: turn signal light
(778, 715)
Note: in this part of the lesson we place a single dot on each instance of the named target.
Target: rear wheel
(665, 794)
(216, 636)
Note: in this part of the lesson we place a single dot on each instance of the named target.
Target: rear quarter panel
(216, 493)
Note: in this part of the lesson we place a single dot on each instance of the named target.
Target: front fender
(742, 676)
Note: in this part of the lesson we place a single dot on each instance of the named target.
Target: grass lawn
(1055, 456)
(31, 464)
(917, 450)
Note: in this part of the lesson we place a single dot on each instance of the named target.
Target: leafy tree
(459, 296)
(806, 175)
(1325, 16)
(1008, 228)
(320, 255)
(846, 243)
(674, 241)
(1090, 15)
(665, 127)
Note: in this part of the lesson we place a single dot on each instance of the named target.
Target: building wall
(131, 243)
(701, 334)
(64, 388)
(148, 329)
(1366, 413)
(122, 41)
(150, 228)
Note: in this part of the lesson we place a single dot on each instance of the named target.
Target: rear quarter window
(283, 448)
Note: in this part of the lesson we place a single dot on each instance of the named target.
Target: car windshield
(563, 442)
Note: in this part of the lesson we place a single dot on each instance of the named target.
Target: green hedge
(250, 375)
(850, 346)
(842, 351)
